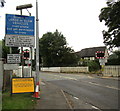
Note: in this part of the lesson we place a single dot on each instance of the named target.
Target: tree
(6, 50)
(114, 59)
(111, 16)
(54, 50)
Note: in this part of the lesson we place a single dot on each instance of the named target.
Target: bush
(93, 65)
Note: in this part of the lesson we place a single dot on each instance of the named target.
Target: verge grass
(17, 101)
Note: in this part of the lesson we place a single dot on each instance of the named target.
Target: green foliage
(6, 50)
(54, 50)
(114, 58)
(0, 49)
(83, 62)
(111, 16)
(17, 101)
(93, 65)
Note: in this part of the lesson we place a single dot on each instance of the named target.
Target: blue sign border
(19, 25)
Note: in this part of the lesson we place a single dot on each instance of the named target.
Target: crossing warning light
(26, 54)
(100, 54)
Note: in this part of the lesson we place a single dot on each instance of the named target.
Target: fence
(26, 71)
(66, 69)
(1, 82)
(111, 71)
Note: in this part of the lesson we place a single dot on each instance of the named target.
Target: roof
(90, 52)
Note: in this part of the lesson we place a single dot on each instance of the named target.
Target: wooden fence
(66, 69)
(111, 71)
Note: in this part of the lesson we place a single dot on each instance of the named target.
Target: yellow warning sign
(22, 85)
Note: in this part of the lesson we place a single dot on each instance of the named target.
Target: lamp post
(37, 44)
(21, 7)
(36, 94)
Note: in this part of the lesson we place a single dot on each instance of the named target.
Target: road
(100, 93)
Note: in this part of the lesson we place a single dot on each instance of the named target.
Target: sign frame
(13, 91)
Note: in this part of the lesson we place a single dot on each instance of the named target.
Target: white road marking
(112, 87)
(76, 98)
(95, 107)
(42, 83)
(103, 86)
(64, 77)
(90, 77)
(86, 81)
(66, 99)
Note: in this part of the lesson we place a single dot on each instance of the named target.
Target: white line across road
(88, 82)
(59, 77)
(64, 77)
(102, 85)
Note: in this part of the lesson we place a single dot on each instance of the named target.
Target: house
(90, 53)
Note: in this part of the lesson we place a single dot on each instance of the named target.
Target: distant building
(90, 53)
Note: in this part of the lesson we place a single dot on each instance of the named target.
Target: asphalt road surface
(100, 93)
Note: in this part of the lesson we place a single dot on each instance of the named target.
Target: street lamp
(37, 45)
(20, 7)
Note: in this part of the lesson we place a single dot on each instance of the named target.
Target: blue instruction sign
(19, 25)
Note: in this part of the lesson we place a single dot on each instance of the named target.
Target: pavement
(51, 97)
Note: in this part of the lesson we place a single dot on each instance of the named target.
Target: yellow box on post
(22, 85)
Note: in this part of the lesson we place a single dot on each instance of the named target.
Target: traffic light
(100, 54)
(26, 54)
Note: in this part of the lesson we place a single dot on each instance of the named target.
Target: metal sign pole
(37, 44)
(22, 60)
(36, 94)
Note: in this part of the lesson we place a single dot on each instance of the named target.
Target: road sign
(11, 66)
(19, 41)
(19, 25)
(23, 85)
(13, 58)
(100, 54)
(19, 31)
(102, 61)
(26, 54)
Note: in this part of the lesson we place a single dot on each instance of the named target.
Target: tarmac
(53, 97)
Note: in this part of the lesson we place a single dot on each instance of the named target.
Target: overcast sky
(77, 20)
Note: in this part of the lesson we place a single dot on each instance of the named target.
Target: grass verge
(17, 101)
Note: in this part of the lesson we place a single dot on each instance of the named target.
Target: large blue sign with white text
(19, 25)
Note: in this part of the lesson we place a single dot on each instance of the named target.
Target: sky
(77, 20)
